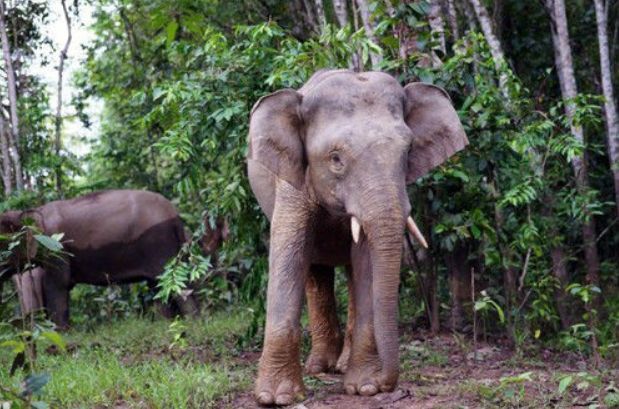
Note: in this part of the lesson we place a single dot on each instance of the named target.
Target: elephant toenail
(284, 399)
(368, 390)
(351, 390)
(265, 398)
(314, 369)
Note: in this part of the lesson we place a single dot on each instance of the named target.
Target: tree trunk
(610, 110)
(364, 11)
(459, 273)
(7, 173)
(493, 42)
(565, 67)
(341, 12)
(311, 17)
(12, 90)
(320, 12)
(58, 121)
(452, 17)
(437, 24)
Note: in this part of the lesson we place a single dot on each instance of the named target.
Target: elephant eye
(336, 161)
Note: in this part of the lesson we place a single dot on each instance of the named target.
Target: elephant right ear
(275, 136)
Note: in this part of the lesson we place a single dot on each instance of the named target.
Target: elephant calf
(114, 237)
(329, 165)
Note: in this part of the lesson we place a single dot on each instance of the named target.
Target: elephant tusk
(355, 227)
(412, 227)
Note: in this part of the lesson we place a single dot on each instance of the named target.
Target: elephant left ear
(437, 131)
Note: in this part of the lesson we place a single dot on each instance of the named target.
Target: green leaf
(34, 383)
(18, 346)
(55, 338)
(39, 405)
(171, 31)
(565, 383)
(48, 242)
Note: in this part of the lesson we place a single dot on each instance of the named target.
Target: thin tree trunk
(493, 42)
(509, 272)
(452, 17)
(7, 179)
(437, 24)
(341, 12)
(610, 110)
(563, 61)
(458, 271)
(470, 15)
(357, 64)
(558, 259)
(12, 90)
(320, 12)
(364, 11)
(58, 122)
(311, 17)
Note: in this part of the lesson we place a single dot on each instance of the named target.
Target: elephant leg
(56, 287)
(342, 361)
(279, 379)
(364, 365)
(323, 322)
(187, 303)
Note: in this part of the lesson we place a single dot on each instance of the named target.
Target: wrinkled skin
(114, 237)
(344, 145)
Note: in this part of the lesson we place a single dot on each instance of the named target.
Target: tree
(58, 119)
(567, 80)
(13, 136)
(610, 109)
(493, 41)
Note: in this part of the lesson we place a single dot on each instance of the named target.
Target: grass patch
(137, 363)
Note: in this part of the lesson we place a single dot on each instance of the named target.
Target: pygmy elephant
(329, 164)
(112, 237)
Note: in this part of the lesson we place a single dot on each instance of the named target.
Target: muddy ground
(441, 372)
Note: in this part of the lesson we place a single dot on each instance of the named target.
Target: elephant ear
(437, 131)
(275, 138)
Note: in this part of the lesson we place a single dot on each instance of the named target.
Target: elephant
(329, 165)
(112, 237)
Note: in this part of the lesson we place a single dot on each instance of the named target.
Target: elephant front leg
(279, 373)
(364, 365)
(56, 286)
(323, 322)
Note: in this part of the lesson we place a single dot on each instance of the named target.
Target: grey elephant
(113, 237)
(329, 164)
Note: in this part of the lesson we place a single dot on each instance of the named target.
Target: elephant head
(351, 142)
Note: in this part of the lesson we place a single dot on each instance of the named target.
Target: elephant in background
(113, 237)
(329, 165)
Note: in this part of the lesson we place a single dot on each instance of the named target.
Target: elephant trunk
(384, 222)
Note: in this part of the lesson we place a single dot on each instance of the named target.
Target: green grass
(132, 361)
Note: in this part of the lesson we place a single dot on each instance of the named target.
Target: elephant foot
(279, 374)
(364, 378)
(342, 362)
(322, 358)
(279, 390)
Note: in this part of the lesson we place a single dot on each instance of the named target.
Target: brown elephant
(329, 164)
(113, 237)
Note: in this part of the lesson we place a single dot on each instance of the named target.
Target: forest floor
(144, 363)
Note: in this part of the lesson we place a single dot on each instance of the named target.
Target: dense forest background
(522, 224)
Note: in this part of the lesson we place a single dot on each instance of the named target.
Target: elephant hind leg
(323, 322)
(342, 361)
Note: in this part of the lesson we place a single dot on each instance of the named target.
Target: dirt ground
(440, 372)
